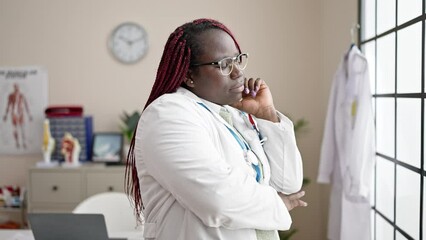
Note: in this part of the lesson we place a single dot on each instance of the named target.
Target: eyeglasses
(226, 65)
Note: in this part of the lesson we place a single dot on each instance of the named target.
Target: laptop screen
(68, 226)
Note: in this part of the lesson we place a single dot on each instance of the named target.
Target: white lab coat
(195, 183)
(348, 152)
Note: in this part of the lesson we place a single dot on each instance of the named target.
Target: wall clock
(128, 42)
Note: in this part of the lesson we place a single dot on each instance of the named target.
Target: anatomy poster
(23, 99)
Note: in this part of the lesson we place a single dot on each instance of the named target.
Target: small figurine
(70, 149)
(47, 147)
(48, 142)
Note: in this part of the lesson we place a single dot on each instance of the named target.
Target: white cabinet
(61, 189)
(101, 181)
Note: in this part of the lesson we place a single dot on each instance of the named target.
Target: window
(393, 41)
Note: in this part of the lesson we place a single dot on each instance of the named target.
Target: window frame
(395, 96)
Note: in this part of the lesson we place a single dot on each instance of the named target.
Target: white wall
(294, 45)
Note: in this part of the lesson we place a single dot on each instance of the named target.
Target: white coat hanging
(348, 149)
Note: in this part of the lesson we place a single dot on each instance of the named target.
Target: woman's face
(209, 83)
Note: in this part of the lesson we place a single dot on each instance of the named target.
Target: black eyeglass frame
(218, 63)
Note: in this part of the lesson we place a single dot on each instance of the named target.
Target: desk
(28, 235)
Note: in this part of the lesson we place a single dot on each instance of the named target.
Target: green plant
(129, 123)
(300, 126)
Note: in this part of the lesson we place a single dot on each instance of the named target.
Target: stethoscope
(243, 144)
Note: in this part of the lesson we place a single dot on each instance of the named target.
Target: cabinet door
(98, 182)
(56, 187)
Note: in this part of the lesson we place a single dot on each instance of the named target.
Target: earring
(192, 82)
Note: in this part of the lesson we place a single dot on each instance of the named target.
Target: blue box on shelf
(80, 127)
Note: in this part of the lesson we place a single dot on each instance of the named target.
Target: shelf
(10, 210)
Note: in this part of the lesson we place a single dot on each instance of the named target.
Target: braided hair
(180, 51)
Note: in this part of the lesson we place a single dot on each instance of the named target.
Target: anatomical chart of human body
(23, 99)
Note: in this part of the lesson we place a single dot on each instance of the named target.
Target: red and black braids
(181, 50)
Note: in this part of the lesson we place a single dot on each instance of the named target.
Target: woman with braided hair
(211, 157)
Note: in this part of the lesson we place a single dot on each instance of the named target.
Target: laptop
(68, 226)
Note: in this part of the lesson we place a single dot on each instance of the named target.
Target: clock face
(128, 42)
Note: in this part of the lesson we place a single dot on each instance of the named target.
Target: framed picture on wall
(107, 147)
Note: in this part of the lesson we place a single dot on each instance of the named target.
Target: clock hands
(130, 42)
(137, 39)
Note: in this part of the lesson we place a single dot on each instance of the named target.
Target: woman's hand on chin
(257, 100)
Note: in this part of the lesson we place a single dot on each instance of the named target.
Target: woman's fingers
(293, 200)
(252, 86)
(297, 195)
(246, 89)
(299, 203)
(302, 203)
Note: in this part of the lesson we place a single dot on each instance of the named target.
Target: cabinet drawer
(98, 182)
(56, 187)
